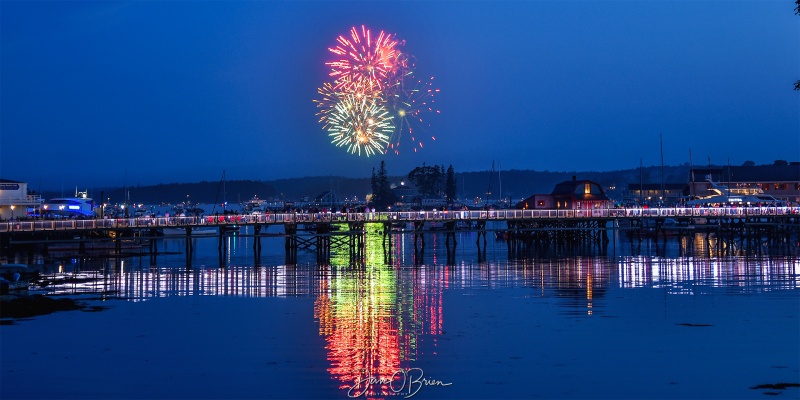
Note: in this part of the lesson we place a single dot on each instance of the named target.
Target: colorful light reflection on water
(379, 317)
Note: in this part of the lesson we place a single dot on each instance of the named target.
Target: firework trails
(361, 124)
(374, 101)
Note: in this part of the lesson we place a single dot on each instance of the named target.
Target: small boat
(254, 206)
(7, 286)
(140, 211)
(187, 209)
(113, 211)
(16, 277)
(18, 271)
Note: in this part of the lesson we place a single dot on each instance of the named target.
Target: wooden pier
(523, 230)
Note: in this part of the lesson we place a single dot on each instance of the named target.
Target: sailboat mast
(463, 190)
(216, 198)
(729, 176)
(641, 183)
(691, 171)
(224, 193)
(500, 183)
(489, 190)
(661, 143)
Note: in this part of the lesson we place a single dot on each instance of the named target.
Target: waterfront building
(406, 198)
(405, 195)
(571, 195)
(16, 201)
(779, 181)
(655, 193)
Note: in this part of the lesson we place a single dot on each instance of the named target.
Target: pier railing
(394, 216)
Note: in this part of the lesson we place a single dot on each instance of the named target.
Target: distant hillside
(515, 184)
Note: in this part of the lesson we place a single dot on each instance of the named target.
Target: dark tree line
(433, 181)
(430, 181)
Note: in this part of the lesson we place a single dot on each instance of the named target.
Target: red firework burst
(363, 59)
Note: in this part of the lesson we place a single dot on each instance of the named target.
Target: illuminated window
(587, 188)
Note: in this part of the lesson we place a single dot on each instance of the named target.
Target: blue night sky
(147, 92)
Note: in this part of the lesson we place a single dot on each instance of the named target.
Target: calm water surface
(675, 319)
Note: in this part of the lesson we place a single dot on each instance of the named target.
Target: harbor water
(679, 318)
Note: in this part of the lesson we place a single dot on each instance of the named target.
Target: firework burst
(360, 124)
(374, 86)
(363, 59)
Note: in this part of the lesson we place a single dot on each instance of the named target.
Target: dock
(318, 231)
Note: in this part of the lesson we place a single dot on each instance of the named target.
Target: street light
(12, 211)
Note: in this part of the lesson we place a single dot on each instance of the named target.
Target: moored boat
(254, 206)
(79, 206)
(187, 209)
(720, 195)
(18, 271)
(16, 277)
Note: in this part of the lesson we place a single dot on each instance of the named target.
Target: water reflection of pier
(583, 276)
(687, 274)
(377, 317)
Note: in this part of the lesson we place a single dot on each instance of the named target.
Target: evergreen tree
(450, 185)
(440, 182)
(374, 184)
(382, 191)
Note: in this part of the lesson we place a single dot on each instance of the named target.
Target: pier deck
(620, 214)
(522, 229)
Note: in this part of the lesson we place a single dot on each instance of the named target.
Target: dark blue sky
(113, 93)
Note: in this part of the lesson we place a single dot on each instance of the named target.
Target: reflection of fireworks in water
(373, 77)
(363, 59)
(361, 124)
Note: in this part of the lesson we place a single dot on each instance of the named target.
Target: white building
(15, 202)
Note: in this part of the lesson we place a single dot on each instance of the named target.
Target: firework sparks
(360, 124)
(330, 95)
(363, 59)
(373, 86)
(411, 104)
